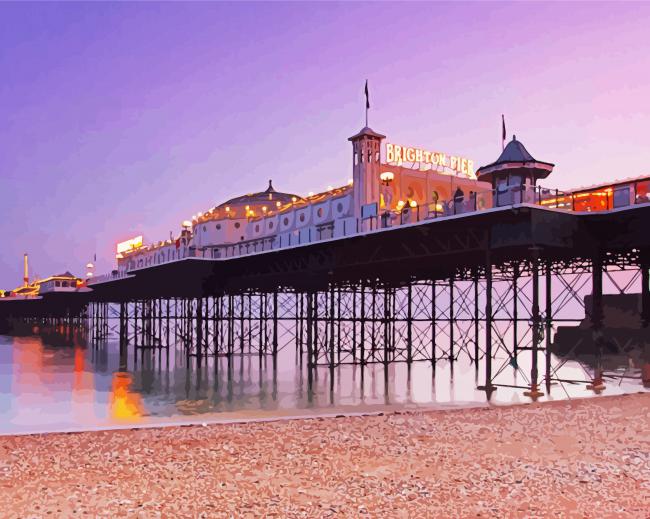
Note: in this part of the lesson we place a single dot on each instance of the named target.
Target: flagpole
(367, 101)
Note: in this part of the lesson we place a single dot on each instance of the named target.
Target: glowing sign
(398, 154)
(128, 245)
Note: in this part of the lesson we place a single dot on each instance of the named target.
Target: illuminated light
(89, 274)
(387, 176)
(350, 182)
(128, 245)
(413, 203)
(294, 199)
(248, 207)
(330, 188)
(90, 265)
(311, 193)
(200, 215)
(398, 154)
(278, 204)
(264, 208)
(227, 209)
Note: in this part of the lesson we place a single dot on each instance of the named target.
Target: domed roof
(270, 194)
(515, 151)
(515, 156)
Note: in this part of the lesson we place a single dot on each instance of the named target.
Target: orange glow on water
(78, 383)
(124, 404)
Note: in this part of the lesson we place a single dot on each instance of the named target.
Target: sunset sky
(120, 119)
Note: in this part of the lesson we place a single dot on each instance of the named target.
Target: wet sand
(584, 458)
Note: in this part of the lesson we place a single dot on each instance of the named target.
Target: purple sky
(119, 119)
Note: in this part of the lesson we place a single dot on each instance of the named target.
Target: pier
(512, 276)
(493, 286)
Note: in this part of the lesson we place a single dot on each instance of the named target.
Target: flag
(95, 257)
(367, 96)
(503, 131)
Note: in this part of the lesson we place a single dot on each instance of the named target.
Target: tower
(25, 270)
(366, 146)
(514, 175)
(515, 166)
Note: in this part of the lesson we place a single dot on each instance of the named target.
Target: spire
(270, 188)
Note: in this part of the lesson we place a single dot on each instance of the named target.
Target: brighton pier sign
(399, 154)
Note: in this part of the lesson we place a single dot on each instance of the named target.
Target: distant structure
(25, 271)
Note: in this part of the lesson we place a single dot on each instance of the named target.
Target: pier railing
(407, 214)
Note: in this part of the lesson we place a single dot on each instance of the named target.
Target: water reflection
(55, 381)
(125, 405)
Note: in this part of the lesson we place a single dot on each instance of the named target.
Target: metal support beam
(534, 391)
(597, 315)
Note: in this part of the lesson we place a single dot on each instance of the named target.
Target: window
(592, 200)
(257, 228)
(286, 220)
(643, 192)
(319, 212)
(237, 225)
(64, 284)
(57, 283)
(622, 196)
(270, 225)
(339, 207)
(204, 228)
(218, 227)
(302, 217)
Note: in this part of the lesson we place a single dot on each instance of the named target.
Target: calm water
(50, 384)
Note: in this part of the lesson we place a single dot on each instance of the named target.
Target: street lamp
(387, 177)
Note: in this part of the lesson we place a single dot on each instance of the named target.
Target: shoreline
(263, 416)
(589, 457)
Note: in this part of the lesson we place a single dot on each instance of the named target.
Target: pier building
(401, 185)
(421, 256)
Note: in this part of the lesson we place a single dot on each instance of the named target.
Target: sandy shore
(584, 458)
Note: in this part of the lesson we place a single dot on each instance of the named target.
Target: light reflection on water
(49, 384)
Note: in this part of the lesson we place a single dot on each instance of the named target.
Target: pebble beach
(579, 458)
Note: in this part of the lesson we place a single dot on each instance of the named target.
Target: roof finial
(270, 184)
(514, 137)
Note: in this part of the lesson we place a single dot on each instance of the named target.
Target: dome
(515, 158)
(263, 197)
